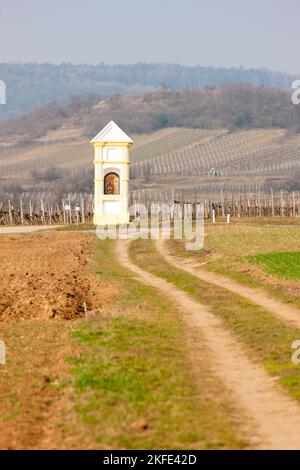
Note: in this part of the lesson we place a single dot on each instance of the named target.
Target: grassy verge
(232, 251)
(74, 227)
(250, 274)
(267, 338)
(29, 384)
(134, 382)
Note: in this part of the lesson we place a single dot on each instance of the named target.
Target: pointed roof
(111, 133)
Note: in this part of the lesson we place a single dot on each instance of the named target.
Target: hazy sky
(252, 33)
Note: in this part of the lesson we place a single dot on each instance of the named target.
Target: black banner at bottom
(136, 459)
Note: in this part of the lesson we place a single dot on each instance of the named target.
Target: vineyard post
(58, 213)
(64, 211)
(77, 209)
(70, 210)
(239, 206)
(259, 203)
(82, 209)
(281, 204)
(222, 203)
(272, 202)
(294, 204)
(49, 213)
(42, 211)
(10, 213)
(21, 211)
(139, 198)
(30, 209)
(213, 216)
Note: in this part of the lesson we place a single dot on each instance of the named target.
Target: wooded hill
(30, 86)
(231, 107)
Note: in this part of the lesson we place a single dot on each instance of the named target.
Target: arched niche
(112, 183)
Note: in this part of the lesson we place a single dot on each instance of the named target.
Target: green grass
(135, 368)
(284, 265)
(267, 339)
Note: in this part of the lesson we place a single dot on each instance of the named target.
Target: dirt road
(27, 229)
(273, 418)
(289, 314)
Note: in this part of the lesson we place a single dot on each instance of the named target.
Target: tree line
(231, 106)
(31, 85)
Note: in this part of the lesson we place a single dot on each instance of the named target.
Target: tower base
(111, 219)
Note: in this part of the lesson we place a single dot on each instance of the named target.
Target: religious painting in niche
(111, 184)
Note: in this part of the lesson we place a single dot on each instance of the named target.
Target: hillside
(30, 86)
(229, 107)
(235, 137)
(172, 160)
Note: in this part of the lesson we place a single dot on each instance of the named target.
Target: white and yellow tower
(111, 148)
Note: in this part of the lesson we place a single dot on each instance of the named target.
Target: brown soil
(273, 418)
(44, 276)
(44, 280)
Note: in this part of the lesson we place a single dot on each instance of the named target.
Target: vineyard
(239, 162)
(253, 152)
(44, 209)
(171, 140)
(240, 172)
(22, 162)
(170, 153)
